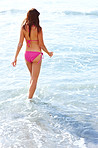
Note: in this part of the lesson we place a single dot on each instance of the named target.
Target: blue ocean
(64, 110)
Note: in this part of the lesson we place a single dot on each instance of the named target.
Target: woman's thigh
(29, 65)
(35, 70)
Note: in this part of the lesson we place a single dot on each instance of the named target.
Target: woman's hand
(50, 54)
(14, 62)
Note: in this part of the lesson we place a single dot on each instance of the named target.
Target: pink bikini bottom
(31, 55)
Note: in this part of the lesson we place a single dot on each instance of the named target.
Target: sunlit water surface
(64, 110)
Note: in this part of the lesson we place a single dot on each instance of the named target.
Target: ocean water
(64, 110)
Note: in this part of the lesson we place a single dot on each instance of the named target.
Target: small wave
(95, 13)
(12, 11)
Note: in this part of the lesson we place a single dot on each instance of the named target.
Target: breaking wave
(95, 13)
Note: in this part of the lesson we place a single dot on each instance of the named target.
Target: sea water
(64, 110)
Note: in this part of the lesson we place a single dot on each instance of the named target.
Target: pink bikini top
(29, 41)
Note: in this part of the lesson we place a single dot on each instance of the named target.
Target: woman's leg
(29, 65)
(34, 77)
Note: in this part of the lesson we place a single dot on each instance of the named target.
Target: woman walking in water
(33, 34)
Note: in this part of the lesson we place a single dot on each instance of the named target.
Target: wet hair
(32, 19)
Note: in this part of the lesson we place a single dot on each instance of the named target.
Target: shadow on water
(82, 130)
(76, 128)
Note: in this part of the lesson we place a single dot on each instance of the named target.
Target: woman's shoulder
(23, 27)
(40, 30)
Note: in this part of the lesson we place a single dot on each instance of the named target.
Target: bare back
(32, 42)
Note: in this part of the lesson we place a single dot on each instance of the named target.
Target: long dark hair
(32, 19)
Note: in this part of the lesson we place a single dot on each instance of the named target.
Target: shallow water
(64, 110)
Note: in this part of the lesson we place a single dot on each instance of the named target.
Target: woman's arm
(19, 46)
(42, 45)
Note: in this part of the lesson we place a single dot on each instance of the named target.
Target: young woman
(32, 32)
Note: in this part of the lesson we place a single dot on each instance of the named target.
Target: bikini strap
(29, 41)
(40, 57)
